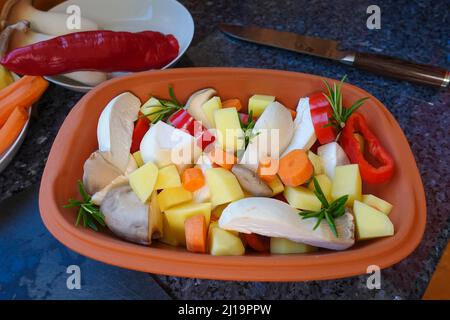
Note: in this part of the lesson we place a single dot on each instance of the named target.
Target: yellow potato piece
(168, 177)
(325, 184)
(371, 223)
(138, 158)
(258, 103)
(172, 197)
(143, 180)
(302, 198)
(229, 132)
(286, 246)
(316, 162)
(223, 185)
(176, 216)
(224, 243)
(347, 181)
(209, 107)
(377, 203)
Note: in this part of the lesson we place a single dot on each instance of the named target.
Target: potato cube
(209, 107)
(169, 236)
(168, 177)
(223, 185)
(276, 185)
(302, 198)
(217, 211)
(286, 246)
(325, 184)
(347, 181)
(316, 162)
(143, 181)
(224, 243)
(151, 106)
(138, 158)
(258, 103)
(229, 133)
(176, 216)
(172, 197)
(371, 223)
(377, 203)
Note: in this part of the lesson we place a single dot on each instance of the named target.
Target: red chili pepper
(101, 50)
(184, 121)
(352, 147)
(321, 112)
(140, 129)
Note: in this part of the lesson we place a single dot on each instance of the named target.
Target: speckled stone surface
(418, 30)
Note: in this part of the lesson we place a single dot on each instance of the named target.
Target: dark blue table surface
(33, 264)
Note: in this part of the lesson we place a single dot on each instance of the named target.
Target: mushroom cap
(195, 102)
(98, 172)
(125, 215)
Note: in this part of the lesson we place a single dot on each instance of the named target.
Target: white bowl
(166, 16)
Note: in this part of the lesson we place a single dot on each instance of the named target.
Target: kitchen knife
(376, 63)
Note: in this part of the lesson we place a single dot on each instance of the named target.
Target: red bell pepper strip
(101, 50)
(257, 242)
(140, 129)
(321, 112)
(353, 148)
(184, 121)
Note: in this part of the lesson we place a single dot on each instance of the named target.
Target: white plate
(8, 155)
(166, 16)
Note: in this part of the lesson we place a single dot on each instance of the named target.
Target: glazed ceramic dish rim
(331, 265)
(62, 81)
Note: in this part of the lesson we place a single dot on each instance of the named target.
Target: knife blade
(330, 49)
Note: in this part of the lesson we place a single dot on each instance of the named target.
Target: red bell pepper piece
(184, 121)
(257, 242)
(321, 112)
(140, 129)
(353, 148)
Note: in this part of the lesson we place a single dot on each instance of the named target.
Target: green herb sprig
(88, 213)
(169, 107)
(248, 132)
(329, 211)
(334, 97)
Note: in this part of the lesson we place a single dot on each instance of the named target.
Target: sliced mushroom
(274, 218)
(250, 182)
(98, 172)
(99, 196)
(195, 102)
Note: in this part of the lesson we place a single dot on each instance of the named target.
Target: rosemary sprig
(248, 132)
(329, 211)
(88, 213)
(169, 107)
(340, 113)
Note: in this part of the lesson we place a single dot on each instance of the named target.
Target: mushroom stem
(6, 34)
(6, 10)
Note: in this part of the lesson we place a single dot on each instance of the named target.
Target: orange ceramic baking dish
(77, 139)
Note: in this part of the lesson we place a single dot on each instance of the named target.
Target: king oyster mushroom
(129, 218)
(98, 172)
(274, 218)
(250, 182)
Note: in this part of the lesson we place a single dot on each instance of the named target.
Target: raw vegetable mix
(238, 193)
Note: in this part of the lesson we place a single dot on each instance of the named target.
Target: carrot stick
(21, 94)
(295, 168)
(12, 128)
(257, 242)
(267, 169)
(222, 158)
(195, 230)
(193, 179)
(230, 103)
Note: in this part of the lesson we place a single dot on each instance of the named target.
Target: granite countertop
(416, 30)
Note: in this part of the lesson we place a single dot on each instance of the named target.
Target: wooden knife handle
(402, 69)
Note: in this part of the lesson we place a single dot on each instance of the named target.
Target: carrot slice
(12, 128)
(195, 230)
(193, 179)
(232, 103)
(257, 242)
(295, 168)
(222, 158)
(267, 169)
(20, 94)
